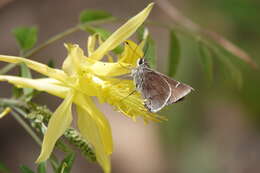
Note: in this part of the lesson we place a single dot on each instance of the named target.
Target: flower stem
(27, 128)
(55, 38)
(53, 159)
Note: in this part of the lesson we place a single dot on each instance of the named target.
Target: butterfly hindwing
(178, 90)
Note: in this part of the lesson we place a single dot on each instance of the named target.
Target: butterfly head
(142, 61)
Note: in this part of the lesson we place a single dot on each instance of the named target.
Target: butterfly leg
(131, 93)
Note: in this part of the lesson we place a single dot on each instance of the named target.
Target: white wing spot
(177, 85)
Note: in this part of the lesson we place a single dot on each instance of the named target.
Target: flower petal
(48, 85)
(5, 112)
(39, 67)
(108, 69)
(92, 39)
(95, 128)
(131, 53)
(130, 105)
(75, 59)
(122, 33)
(59, 122)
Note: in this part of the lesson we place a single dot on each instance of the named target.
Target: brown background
(214, 130)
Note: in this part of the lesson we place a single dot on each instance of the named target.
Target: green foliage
(26, 73)
(26, 37)
(3, 168)
(66, 163)
(206, 60)
(25, 169)
(93, 15)
(41, 168)
(150, 51)
(104, 34)
(149, 47)
(16, 92)
(140, 33)
(174, 53)
(228, 60)
(40, 115)
(75, 138)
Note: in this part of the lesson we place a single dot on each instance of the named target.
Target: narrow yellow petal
(126, 63)
(116, 92)
(48, 85)
(39, 67)
(108, 69)
(75, 59)
(59, 122)
(5, 112)
(90, 130)
(131, 53)
(122, 33)
(92, 39)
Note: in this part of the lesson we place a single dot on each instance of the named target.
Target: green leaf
(26, 37)
(41, 168)
(149, 52)
(25, 169)
(26, 73)
(174, 53)
(233, 71)
(17, 92)
(206, 60)
(104, 34)
(227, 59)
(140, 33)
(67, 163)
(93, 15)
(3, 168)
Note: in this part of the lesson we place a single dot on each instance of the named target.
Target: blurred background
(215, 130)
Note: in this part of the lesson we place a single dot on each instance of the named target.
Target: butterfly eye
(140, 61)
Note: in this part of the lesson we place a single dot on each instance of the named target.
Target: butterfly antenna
(146, 49)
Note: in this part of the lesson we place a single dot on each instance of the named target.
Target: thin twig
(55, 38)
(27, 128)
(183, 21)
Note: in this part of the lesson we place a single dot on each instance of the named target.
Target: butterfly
(157, 89)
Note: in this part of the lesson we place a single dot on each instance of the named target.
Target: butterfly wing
(154, 89)
(178, 90)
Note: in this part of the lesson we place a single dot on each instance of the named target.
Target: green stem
(53, 159)
(7, 68)
(27, 128)
(55, 38)
(11, 102)
(65, 33)
(52, 40)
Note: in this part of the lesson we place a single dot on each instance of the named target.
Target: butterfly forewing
(155, 90)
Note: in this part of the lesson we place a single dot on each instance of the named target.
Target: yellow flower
(80, 79)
